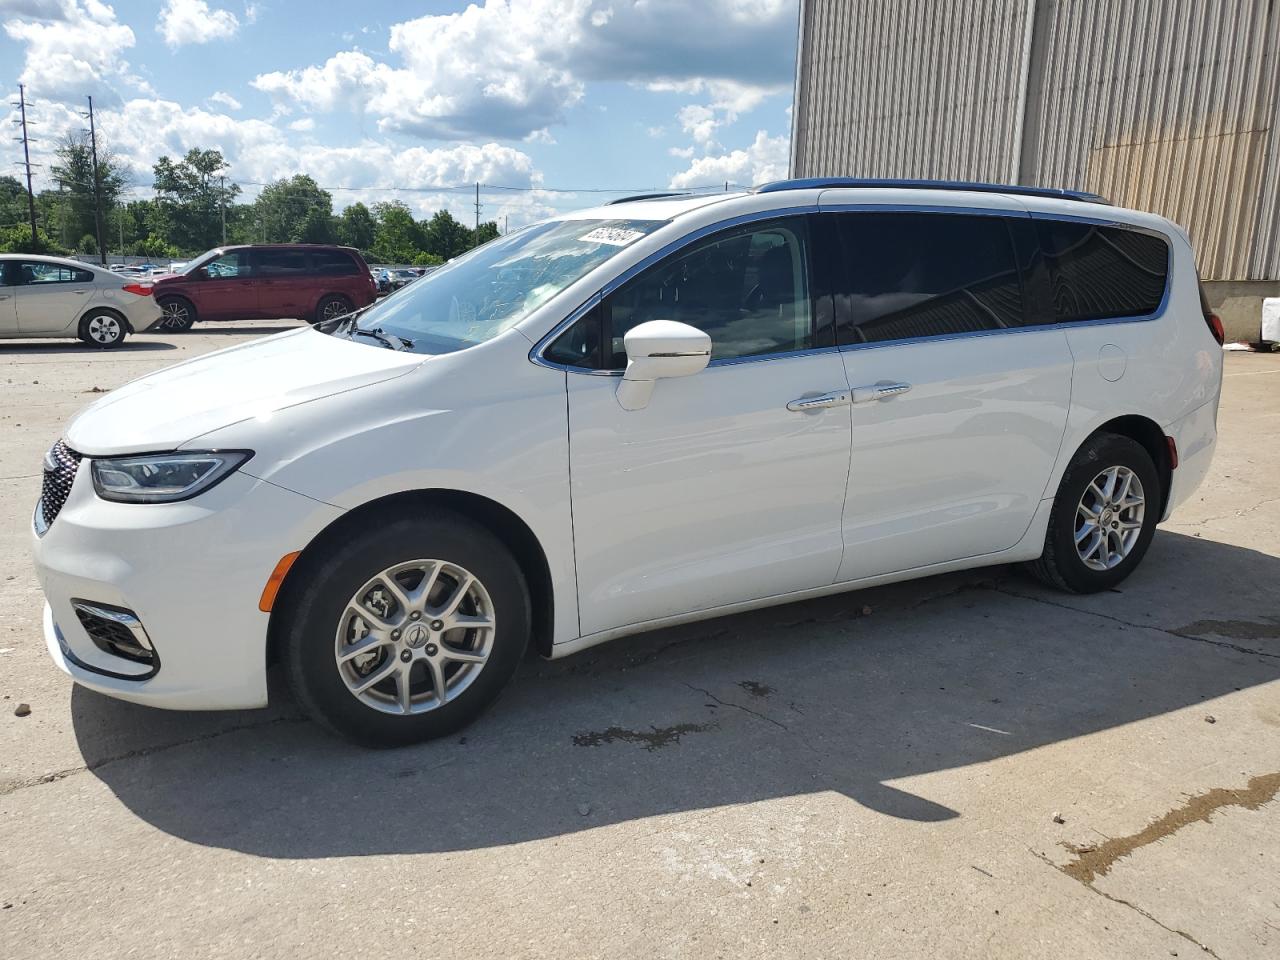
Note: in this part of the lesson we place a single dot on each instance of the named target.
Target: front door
(715, 492)
(229, 289)
(9, 275)
(50, 297)
(960, 395)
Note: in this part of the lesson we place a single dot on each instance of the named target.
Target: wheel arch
(500, 520)
(1148, 434)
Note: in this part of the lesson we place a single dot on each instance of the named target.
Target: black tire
(180, 314)
(1061, 564)
(104, 329)
(315, 606)
(334, 305)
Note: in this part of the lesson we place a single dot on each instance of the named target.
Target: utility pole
(506, 223)
(476, 236)
(120, 224)
(26, 161)
(97, 188)
(222, 202)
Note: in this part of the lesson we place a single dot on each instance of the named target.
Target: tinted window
(1094, 272)
(333, 263)
(282, 263)
(579, 346)
(42, 273)
(907, 275)
(747, 288)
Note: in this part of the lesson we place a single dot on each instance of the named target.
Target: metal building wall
(1166, 105)
(909, 88)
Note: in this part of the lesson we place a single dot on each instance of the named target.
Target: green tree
(73, 172)
(446, 237)
(397, 238)
(296, 211)
(13, 203)
(17, 239)
(192, 193)
(356, 227)
(488, 231)
(425, 259)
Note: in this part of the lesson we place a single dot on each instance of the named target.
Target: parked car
(380, 281)
(393, 279)
(266, 282)
(53, 297)
(637, 415)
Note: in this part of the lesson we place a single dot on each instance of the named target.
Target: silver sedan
(55, 297)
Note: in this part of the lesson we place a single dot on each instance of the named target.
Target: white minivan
(649, 412)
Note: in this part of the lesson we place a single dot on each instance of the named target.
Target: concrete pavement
(807, 781)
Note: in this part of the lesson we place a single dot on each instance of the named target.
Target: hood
(166, 409)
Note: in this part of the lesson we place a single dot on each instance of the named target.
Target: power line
(469, 187)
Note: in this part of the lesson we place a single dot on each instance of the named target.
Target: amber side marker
(275, 580)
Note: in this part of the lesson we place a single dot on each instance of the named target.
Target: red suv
(266, 282)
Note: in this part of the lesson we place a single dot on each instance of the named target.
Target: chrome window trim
(535, 355)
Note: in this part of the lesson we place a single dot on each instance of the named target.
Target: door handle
(881, 390)
(836, 398)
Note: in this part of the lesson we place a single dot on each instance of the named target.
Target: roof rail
(647, 196)
(817, 183)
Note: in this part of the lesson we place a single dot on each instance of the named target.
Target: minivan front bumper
(190, 574)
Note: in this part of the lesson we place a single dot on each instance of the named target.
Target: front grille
(116, 631)
(60, 465)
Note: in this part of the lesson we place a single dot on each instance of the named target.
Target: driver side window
(747, 288)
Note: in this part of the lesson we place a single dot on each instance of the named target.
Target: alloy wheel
(176, 316)
(415, 636)
(1109, 518)
(334, 309)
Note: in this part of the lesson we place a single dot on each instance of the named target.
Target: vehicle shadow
(77, 348)
(814, 696)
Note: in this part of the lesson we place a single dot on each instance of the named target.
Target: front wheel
(1103, 518)
(407, 631)
(332, 307)
(179, 315)
(102, 328)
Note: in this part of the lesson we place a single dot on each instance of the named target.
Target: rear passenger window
(282, 263)
(902, 276)
(1097, 272)
(333, 263)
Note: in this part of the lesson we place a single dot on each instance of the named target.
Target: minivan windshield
(487, 291)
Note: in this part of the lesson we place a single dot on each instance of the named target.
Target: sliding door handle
(836, 398)
(881, 390)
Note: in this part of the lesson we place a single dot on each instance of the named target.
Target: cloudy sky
(388, 98)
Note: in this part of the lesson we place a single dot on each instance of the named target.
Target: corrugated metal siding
(914, 88)
(1166, 105)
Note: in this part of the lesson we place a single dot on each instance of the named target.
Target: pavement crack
(1145, 914)
(1238, 648)
(57, 775)
(1227, 516)
(737, 706)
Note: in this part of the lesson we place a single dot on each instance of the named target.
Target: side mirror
(657, 350)
(202, 273)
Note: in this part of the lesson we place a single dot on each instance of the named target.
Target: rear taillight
(139, 289)
(1216, 328)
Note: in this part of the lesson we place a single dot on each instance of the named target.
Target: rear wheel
(102, 328)
(408, 632)
(331, 307)
(1103, 518)
(179, 314)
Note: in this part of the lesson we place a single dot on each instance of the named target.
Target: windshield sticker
(614, 236)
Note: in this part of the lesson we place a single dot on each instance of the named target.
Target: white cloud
(512, 67)
(72, 48)
(226, 100)
(303, 124)
(194, 21)
(765, 159)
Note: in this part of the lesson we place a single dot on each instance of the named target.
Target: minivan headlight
(164, 477)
